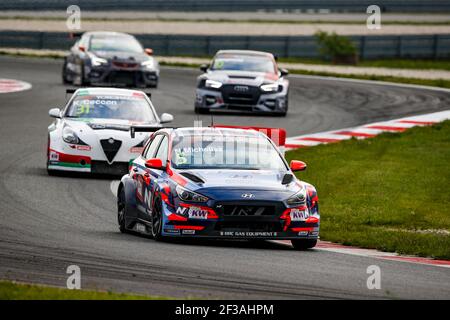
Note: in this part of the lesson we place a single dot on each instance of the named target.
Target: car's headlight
(70, 136)
(213, 84)
(188, 195)
(273, 87)
(150, 64)
(298, 199)
(96, 61)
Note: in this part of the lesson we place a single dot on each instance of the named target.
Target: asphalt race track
(48, 223)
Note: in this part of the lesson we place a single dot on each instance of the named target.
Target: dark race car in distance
(217, 183)
(110, 58)
(242, 80)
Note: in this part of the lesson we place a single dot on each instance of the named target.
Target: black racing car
(110, 58)
(242, 80)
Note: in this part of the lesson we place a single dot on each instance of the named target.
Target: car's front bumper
(76, 162)
(215, 100)
(123, 77)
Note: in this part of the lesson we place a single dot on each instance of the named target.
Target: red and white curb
(339, 248)
(11, 85)
(365, 131)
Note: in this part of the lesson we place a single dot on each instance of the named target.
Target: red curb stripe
(388, 128)
(419, 260)
(355, 134)
(294, 146)
(320, 139)
(418, 122)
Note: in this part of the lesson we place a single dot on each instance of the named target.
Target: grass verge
(390, 192)
(17, 291)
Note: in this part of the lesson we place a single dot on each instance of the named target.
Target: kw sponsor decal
(299, 214)
(193, 212)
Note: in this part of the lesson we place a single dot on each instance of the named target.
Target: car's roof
(108, 91)
(245, 52)
(191, 131)
(107, 34)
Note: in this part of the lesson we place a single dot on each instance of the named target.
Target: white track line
(11, 85)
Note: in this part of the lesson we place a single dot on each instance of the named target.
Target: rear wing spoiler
(277, 135)
(72, 91)
(142, 128)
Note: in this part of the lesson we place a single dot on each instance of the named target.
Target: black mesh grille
(243, 210)
(103, 167)
(240, 94)
(110, 148)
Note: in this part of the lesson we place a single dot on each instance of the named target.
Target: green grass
(17, 291)
(379, 192)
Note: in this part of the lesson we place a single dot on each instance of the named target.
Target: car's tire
(64, 73)
(121, 210)
(201, 110)
(157, 220)
(304, 244)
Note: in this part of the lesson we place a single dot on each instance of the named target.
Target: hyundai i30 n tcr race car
(91, 134)
(242, 80)
(217, 183)
(110, 58)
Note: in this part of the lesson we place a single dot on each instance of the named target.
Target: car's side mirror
(149, 51)
(166, 117)
(204, 67)
(54, 113)
(284, 72)
(297, 165)
(82, 48)
(154, 163)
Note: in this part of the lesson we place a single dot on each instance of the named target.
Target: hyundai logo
(241, 88)
(247, 195)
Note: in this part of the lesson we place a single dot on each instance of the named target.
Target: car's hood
(122, 56)
(241, 77)
(233, 183)
(115, 128)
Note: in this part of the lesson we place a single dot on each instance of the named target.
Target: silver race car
(110, 58)
(242, 80)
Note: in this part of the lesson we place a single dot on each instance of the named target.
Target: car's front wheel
(157, 220)
(304, 244)
(121, 210)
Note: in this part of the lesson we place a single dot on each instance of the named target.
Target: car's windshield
(115, 43)
(225, 151)
(132, 107)
(243, 63)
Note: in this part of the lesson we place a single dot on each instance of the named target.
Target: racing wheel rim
(156, 219)
(121, 211)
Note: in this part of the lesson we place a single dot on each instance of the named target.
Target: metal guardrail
(438, 6)
(388, 46)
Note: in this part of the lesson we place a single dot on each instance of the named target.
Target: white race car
(92, 132)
